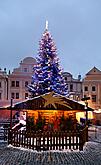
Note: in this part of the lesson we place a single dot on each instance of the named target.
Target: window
(12, 95)
(17, 95)
(67, 86)
(85, 96)
(25, 70)
(13, 84)
(93, 98)
(26, 95)
(86, 88)
(66, 78)
(0, 96)
(71, 87)
(26, 83)
(93, 88)
(17, 83)
(0, 84)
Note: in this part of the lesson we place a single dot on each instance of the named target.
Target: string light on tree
(47, 73)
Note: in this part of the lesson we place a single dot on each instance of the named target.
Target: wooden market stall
(50, 124)
(50, 107)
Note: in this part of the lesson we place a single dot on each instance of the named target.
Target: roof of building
(29, 60)
(51, 101)
(94, 71)
(67, 74)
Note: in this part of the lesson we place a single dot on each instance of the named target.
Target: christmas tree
(47, 73)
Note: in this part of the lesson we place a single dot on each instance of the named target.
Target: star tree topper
(46, 25)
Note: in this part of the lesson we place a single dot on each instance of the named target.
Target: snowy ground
(95, 134)
(91, 155)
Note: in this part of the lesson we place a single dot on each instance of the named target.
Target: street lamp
(11, 113)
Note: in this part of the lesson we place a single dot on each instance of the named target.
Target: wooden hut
(50, 126)
(50, 107)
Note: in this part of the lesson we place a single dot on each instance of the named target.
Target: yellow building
(92, 88)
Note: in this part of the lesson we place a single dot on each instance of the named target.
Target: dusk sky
(75, 26)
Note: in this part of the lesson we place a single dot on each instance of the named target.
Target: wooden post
(11, 114)
(9, 136)
(87, 133)
(86, 120)
(80, 141)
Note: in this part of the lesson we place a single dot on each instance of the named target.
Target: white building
(74, 86)
(3, 86)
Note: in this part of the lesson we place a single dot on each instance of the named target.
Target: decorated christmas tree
(47, 73)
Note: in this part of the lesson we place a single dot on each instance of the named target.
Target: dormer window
(66, 78)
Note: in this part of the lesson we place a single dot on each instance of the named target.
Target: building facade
(92, 87)
(74, 86)
(3, 85)
(14, 85)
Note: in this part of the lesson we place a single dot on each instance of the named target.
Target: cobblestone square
(91, 154)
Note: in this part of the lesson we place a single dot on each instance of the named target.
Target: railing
(48, 140)
(4, 127)
(83, 137)
(3, 134)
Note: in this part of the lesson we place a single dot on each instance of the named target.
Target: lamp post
(11, 113)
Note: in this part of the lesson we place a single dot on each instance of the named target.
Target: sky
(75, 26)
